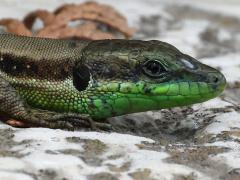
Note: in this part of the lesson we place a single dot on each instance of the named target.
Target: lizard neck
(60, 96)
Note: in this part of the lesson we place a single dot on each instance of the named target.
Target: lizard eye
(153, 68)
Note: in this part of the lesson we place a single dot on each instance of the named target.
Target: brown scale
(21, 67)
(28, 57)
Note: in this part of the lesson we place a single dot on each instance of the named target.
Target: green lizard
(66, 83)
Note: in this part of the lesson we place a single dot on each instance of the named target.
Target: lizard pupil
(153, 68)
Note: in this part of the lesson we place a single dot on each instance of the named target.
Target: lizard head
(133, 76)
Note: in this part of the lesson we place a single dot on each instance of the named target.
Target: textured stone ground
(197, 142)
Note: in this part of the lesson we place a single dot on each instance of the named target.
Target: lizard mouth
(213, 85)
(124, 98)
(120, 97)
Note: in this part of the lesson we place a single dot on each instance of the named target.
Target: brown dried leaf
(87, 31)
(63, 7)
(90, 11)
(56, 23)
(46, 16)
(15, 26)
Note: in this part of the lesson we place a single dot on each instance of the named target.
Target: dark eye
(153, 68)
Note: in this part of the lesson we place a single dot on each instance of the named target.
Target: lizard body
(60, 83)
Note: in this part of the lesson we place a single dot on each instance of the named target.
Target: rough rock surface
(197, 142)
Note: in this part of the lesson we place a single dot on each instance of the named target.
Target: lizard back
(40, 59)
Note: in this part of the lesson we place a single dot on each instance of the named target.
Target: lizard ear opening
(81, 77)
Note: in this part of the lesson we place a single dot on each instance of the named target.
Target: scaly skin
(57, 83)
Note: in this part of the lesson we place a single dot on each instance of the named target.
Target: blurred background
(197, 142)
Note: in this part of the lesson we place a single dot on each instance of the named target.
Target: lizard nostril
(215, 79)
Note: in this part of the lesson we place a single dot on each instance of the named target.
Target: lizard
(60, 83)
